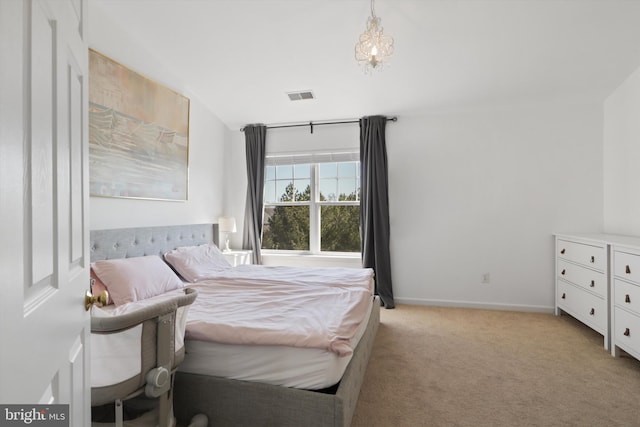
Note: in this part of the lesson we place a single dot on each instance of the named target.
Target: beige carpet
(434, 366)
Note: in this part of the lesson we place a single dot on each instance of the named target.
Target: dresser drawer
(586, 278)
(626, 295)
(626, 333)
(592, 256)
(582, 305)
(626, 265)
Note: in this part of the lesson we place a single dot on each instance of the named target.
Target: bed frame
(233, 402)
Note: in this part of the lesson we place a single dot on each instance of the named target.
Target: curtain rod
(312, 124)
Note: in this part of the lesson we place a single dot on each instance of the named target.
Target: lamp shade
(227, 224)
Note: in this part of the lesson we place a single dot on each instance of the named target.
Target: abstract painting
(138, 134)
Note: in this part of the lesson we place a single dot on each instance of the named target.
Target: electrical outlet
(486, 278)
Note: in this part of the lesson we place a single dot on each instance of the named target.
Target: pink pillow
(195, 263)
(134, 279)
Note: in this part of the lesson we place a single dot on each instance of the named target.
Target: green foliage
(340, 226)
(291, 194)
(287, 227)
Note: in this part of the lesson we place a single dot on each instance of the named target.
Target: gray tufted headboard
(140, 241)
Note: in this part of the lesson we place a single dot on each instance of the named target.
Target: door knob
(90, 299)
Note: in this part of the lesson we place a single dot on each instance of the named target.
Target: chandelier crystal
(373, 48)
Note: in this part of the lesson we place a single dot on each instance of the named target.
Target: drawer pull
(627, 332)
(593, 259)
(564, 296)
(627, 270)
(593, 283)
(593, 311)
(627, 299)
(563, 272)
(562, 251)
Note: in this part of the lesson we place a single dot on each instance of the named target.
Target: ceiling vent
(301, 95)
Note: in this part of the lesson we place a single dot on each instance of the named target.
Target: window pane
(328, 170)
(284, 172)
(284, 191)
(303, 190)
(269, 173)
(347, 169)
(270, 192)
(328, 188)
(347, 189)
(286, 228)
(302, 171)
(340, 228)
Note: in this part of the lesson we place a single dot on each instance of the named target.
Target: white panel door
(44, 255)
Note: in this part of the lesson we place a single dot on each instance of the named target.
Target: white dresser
(625, 296)
(582, 281)
(598, 283)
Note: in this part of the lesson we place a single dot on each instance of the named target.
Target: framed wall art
(138, 134)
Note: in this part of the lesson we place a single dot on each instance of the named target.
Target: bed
(238, 402)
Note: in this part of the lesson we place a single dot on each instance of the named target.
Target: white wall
(472, 193)
(236, 177)
(206, 143)
(622, 158)
(482, 192)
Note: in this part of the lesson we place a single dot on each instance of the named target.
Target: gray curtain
(374, 205)
(255, 140)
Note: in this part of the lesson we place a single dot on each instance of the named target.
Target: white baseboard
(479, 305)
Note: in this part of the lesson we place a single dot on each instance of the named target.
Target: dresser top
(603, 238)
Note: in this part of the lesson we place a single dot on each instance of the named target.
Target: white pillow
(134, 279)
(195, 263)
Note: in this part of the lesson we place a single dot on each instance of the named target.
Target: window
(312, 203)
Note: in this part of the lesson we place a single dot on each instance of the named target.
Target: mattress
(296, 367)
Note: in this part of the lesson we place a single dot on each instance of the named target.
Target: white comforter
(300, 307)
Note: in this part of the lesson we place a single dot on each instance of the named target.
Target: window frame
(315, 206)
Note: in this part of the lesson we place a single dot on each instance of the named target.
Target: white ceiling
(240, 57)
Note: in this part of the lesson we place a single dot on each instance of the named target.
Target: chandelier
(373, 48)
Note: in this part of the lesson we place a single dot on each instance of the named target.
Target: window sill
(312, 260)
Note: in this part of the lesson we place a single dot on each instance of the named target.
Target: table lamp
(226, 225)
